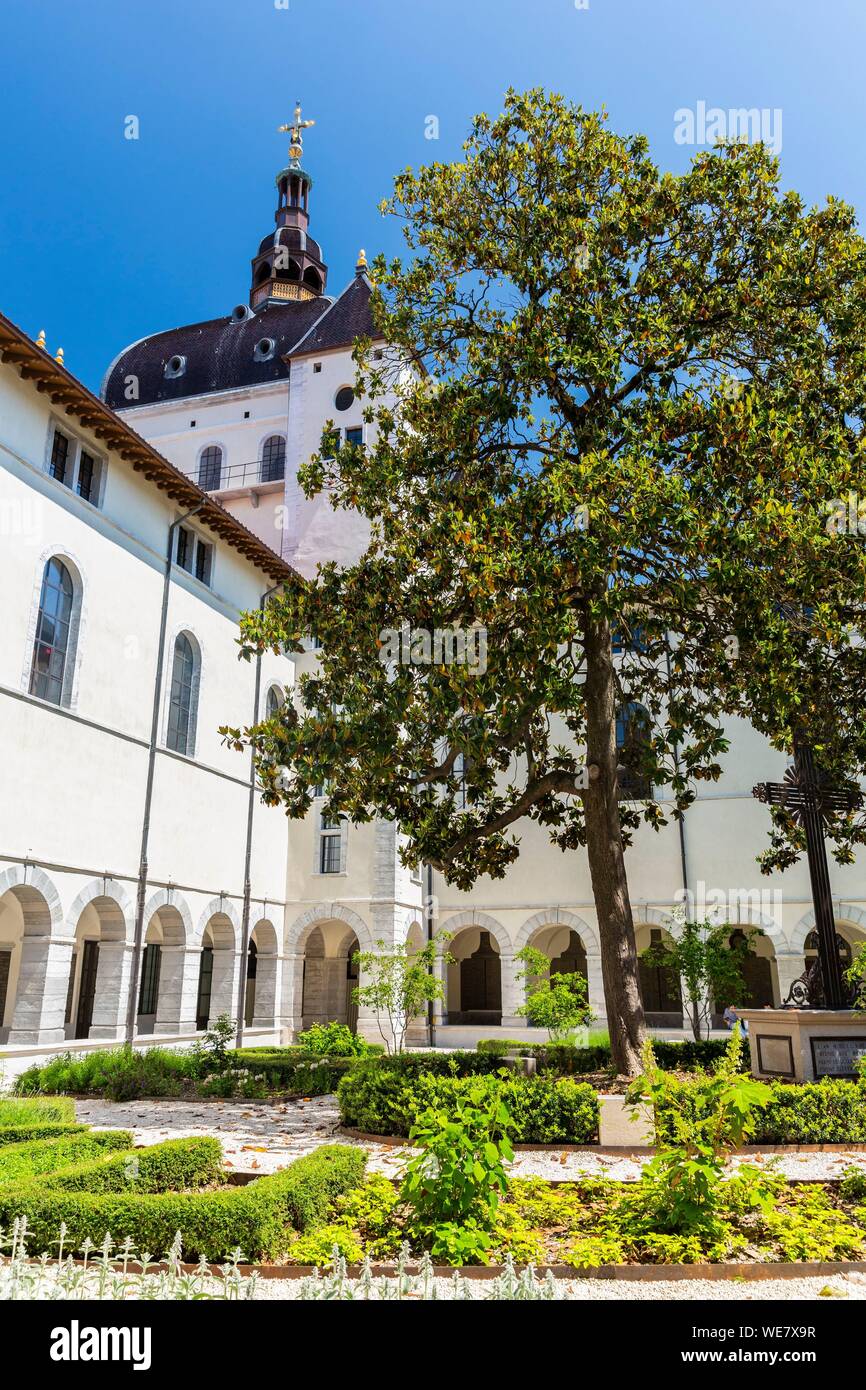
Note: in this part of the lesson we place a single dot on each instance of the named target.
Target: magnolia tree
(401, 979)
(615, 411)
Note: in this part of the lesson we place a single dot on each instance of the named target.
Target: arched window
(273, 458)
(52, 649)
(274, 700)
(632, 739)
(182, 699)
(210, 467)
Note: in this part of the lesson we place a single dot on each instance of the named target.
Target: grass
(28, 1110)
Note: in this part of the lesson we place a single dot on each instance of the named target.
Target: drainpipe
(684, 863)
(248, 852)
(132, 1006)
(428, 919)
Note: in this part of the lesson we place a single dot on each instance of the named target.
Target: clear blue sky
(104, 240)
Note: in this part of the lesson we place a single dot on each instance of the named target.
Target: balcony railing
(213, 479)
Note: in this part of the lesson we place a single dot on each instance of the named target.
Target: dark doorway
(250, 995)
(87, 989)
(572, 961)
(149, 991)
(205, 981)
(660, 990)
(480, 986)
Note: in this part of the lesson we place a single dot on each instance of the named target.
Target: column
(178, 990)
(292, 1006)
(223, 991)
(267, 992)
(111, 999)
(40, 1000)
(595, 990)
(513, 992)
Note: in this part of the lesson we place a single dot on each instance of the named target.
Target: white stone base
(799, 1044)
(622, 1126)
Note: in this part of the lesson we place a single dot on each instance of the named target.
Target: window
(149, 991)
(52, 647)
(632, 740)
(75, 466)
(329, 855)
(317, 367)
(210, 467)
(273, 458)
(274, 701)
(345, 398)
(59, 456)
(633, 642)
(181, 706)
(193, 554)
(355, 436)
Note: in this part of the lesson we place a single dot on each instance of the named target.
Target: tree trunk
(619, 964)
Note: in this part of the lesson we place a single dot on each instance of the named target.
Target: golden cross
(296, 130)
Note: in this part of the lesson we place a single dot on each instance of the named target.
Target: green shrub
(332, 1040)
(37, 1110)
(258, 1219)
(574, 1061)
(27, 1160)
(176, 1165)
(298, 1074)
(821, 1112)
(23, 1134)
(387, 1100)
(120, 1073)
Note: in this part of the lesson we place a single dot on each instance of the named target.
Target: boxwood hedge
(176, 1165)
(687, 1055)
(47, 1155)
(387, 1100)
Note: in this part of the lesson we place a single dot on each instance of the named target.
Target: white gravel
(852, 1286)
(262, 1136)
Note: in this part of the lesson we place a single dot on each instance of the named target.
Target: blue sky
(104, 240)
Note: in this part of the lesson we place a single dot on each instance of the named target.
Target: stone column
(513, 992)
(111, 999)
(40, 999)
(268, 990)
(178, 990)
(223, 989)
(595, 991)
(292, 1006)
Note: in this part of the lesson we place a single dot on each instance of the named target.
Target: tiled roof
(348, 319)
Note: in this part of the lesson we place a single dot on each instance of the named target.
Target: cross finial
(296, 130)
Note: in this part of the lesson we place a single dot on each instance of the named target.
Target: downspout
(428, 920)
(135, 973)
(684, 863)
(248, 852)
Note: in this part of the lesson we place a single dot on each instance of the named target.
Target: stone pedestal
(804, 1044)
(623, 1126)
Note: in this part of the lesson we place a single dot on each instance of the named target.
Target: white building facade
(236, 405)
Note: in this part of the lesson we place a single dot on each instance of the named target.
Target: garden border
(612, 1150)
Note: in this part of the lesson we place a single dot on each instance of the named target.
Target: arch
(182, 692)
(473, 918)
(263, 274)
(68, 688)
(320, 915)
(275, 697)
(219, 907)
(272, 452)
(113, 905)
(264, 934)
(557, 917)
(313, 278)
(173, 912)
(37, 897)
(843, 913)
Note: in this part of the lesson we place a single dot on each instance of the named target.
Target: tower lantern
(289, 264)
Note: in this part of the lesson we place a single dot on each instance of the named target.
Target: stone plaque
(837, 1056)
(775, 1055)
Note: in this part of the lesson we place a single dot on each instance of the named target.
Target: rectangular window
(149, 991)
(329, 862)
(184, 548)
(193, 554)
(84, 482)
(202, 562)
(59, 456)
(355, 436)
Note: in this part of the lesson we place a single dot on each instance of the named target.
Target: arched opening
(210, 467)
(161, 977)
(273, 458)
(260, 1001)
(659, 984)
(313, 279)
(475, 979)
(330, 975)
(52, 663)
(216, 975)
(263, 274)
(760, 978)
(183, 695)
(32, 964)
(98, 974)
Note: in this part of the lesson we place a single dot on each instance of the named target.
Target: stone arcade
(202, 429)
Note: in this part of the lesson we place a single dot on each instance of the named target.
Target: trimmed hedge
(687, 1055)
(830, 1111)
(176, 1165)
(383, 1100)
(23, 1134)
(298, 1073)
(25, 1110)
(259, 1219)
(28, 1160)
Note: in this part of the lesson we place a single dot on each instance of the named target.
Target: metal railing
(213, 479)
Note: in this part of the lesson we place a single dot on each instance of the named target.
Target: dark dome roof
(292, 237)
(220, 353)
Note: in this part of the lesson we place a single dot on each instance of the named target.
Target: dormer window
(175, 366)
(193, 554)
(264, 350)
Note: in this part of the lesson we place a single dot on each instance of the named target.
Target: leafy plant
(332, 1040)
(711, 970)
(856, 978)
(212, 1051)
(455, 1183)
(682, 1183)
(399, 980)
(558, 1003)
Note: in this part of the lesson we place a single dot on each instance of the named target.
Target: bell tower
(289, 263)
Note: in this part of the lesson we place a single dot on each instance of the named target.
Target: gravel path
(264, 1136)
(851, 1286)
